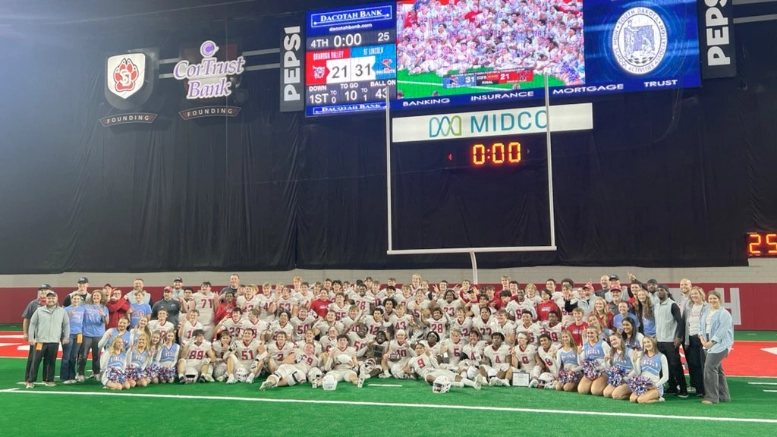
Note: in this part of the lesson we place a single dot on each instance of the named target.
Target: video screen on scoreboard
(454, 52)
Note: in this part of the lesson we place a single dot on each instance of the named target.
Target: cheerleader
(114, 365)
(593, 356)
(152, 370)
(137, 361)
(631, 336)
(648, 386)
(120, 331)
(166, 359)
(568, 363)
(141, 328)
(622, 369)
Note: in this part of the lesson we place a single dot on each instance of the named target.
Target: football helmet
(441, 385)
(546, 380)
(241, 374)
(329, 383)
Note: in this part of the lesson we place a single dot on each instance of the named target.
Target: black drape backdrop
(666, 178)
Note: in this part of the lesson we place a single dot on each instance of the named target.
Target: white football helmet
(441, 385)
(329, 383)
(546, 380)
(241, 374)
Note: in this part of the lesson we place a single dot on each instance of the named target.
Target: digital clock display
(761, 244)
(350, 59)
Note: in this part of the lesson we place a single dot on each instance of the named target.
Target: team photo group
(621, 342)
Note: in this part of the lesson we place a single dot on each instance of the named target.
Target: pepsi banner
(716, 37)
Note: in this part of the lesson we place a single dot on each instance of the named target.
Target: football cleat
(534, 383)
(265, 385)
(207, 378)
(360, 382)
(231, 379)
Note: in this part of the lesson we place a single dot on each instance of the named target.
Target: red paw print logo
(125, 75)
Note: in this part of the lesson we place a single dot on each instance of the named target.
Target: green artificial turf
(65, 414)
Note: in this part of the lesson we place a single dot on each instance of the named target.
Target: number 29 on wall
(762, 244)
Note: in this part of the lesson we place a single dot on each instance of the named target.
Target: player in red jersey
(320, 306)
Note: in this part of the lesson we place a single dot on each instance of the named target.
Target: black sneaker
(682, 395)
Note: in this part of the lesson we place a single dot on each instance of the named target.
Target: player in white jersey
(286, 303)
(302, 323)
(399, 351)
(451, 349)
(352, 322)
(306, 368)
(250, 301)
(187, 327)
(419, 309)
(254, 324)
(516, 307)
(232, 325)
(280, 352)
(195, 359)
(495, 365)
(483, 324)
(206, 302)
(224, 364)
(362, 299)
(525, 359)
(426, 367)
(303, 295)
(502, 324)
(531, 329)
(400, 320)
(449, 304)
(360, 339)
(438, 323)
(462, 323)
(432, 344)
(376, 322)
(547, 354)
(161, 325)
(341, 362)
(249, 353)
(282, 325)
(322, 326)
(267, 304)
(472, 355)
(339, 307)
(553, 328)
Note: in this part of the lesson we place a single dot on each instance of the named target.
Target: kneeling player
(342, 362)
(525, 359)
(224, 365)
(399, 352)
(306, 368)
(195, 359)
(248, 354)
(495, 365)
(426, 367)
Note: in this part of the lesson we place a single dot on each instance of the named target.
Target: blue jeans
(67, 369)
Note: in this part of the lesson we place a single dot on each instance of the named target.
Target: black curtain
(669, 178)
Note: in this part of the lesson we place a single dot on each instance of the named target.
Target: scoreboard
(350, 61)
(429, 54)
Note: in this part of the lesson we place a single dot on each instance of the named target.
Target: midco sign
(492, 123)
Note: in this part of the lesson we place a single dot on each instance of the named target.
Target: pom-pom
(615, 376)
(590, 369)
(116, 375)
(639, 385)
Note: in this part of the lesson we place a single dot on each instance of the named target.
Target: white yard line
(399, 405)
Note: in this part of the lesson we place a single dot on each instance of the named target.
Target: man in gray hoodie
(49, 326)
